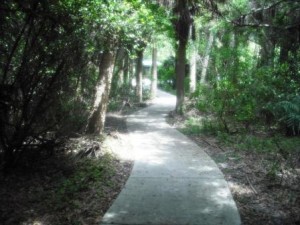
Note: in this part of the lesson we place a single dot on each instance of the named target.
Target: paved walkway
(173, 181)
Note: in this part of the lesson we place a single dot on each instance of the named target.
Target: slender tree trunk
(139, 75)
(206, 58)
(126, 69)
(193, 69)
(181, 25)
(97, 117)
(233, 44)
(131, 69)
(121, 75)
(180, 74)
(120, 61)
(154, 72)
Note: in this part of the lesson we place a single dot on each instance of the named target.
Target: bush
(166, 75)
(44, 73)
(288, 113)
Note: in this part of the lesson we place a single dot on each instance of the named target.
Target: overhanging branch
(240, 22)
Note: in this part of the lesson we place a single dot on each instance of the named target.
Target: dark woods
(42, 76)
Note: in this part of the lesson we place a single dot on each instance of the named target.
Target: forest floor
(265, 185)
(76, 185)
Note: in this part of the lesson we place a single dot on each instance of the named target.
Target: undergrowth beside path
(74, 186)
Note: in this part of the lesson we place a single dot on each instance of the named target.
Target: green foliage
(51, 54)
(192, 126)
(244, 89)
(256, 144)
(202, 125)
(166, 74)
(123, 96)
(146, 94)
(241, 141)
(288, 113)
(44, 71)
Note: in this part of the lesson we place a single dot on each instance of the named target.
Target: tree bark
(121, 75)
(206, 58)
(131, 71)
(154, 73)
(119, 64)
(139, 75)
(126, 69)
(180, 74)
(97, 117)
(193, 69)
(182, 23)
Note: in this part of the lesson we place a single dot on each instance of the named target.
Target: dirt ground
(260, 200)
(75, 185)
(63, 188)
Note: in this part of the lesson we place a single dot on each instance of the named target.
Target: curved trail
(173, 181)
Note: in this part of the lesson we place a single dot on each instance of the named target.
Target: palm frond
(288, 112)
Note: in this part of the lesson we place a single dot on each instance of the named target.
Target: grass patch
(200, 125)
(192, 126)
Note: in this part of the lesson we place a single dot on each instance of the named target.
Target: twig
(215, 146)
(125, 103)
(253, 189)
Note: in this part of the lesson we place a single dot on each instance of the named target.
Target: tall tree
(182, 22)
(154, 71)
(97, 116)
(124, 23)
(139, 73)
(206, 57)
(193, 60)
(120, 66)
(193, 70)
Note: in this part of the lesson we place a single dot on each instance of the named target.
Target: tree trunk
(182, 25)
(180, 75)
(154, 73)
(121, 75)
(97, 117)
(233, 44)
(119, 63)
(139, 75)
(193, 69)
(126, 69)
(206, 58)
(131, 69)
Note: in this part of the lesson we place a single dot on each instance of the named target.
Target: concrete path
(173, 181)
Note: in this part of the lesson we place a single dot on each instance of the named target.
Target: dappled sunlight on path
(173, 181)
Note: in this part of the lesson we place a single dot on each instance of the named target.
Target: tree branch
(240, 21)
